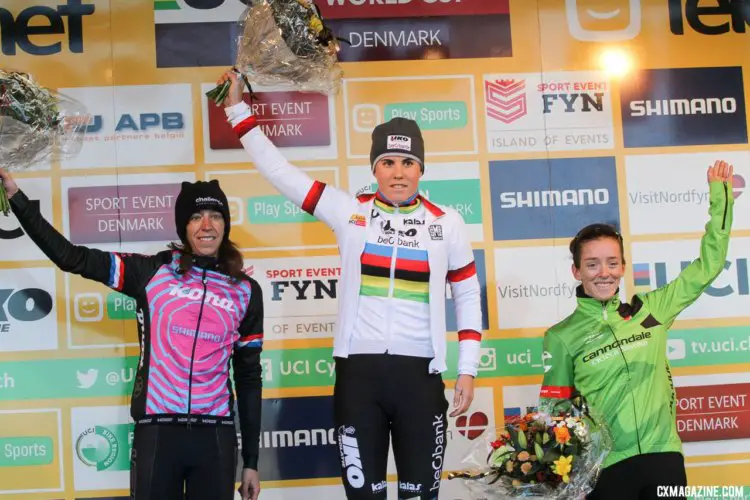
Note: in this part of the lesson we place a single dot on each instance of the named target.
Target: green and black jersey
(614, 353)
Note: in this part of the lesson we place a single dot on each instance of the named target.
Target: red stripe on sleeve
(465, 272)
(313, 197)
(245, 126)
(555, 391)
(469, 335)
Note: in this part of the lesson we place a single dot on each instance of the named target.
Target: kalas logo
(737, 269)
(17, 31)
(707, 19)
(472, 426)
(506, 99)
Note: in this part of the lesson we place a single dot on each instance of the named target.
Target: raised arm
(126, 273)
(314, 197)
(670, 300)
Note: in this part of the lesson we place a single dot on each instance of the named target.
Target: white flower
(571, 422)
(561, 423)
(581, 431)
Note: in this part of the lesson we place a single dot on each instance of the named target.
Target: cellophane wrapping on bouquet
(36, 124)
(555, 454)
(285, 43)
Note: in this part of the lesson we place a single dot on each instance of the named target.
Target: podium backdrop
(539, 116)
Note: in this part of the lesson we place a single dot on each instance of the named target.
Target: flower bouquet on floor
(285, 42)
(36, 124)
(551, 455)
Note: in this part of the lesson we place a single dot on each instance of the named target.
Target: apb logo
(16, 32)
(505, 99)
(729, 15)
(684, 107)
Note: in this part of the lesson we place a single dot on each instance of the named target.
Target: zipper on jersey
(632, 397)
(726, 206)
(192, 355)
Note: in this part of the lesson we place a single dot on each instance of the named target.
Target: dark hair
(590, 233)
(230, 260)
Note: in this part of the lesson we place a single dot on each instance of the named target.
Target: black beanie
(197, 196)
(398, 137)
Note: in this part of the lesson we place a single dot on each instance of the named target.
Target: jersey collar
(590, 305)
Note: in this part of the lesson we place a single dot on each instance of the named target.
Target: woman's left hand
(463, 394)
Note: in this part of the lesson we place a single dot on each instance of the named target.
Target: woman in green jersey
(614, 353)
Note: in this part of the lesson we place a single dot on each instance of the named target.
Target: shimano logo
(208, 199)
(297, 438)
(567, 197)
(197, 294)
(350, 459)
(617, 344)
(677, 107)
(437, 456)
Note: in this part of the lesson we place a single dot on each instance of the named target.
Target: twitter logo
(88, 379)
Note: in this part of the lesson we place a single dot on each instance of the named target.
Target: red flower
(497, 444)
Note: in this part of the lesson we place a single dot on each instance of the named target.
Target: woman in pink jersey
(398, 250)
(197, 313)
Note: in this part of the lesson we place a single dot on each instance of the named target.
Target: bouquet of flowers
(35, 124)
(285, 42)
(556, 455)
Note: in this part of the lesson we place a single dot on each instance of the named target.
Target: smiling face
(604, 19)
(398, 177)
(602, 268)
(205, 231)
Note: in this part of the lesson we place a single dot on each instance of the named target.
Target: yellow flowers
(563, 466)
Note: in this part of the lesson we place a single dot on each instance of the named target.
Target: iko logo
(642, 274)
(591, 16)
(583, 102)
(400, 142)
(17, 31)
(144, 122)
(28, 304)
(87, 379)
(506, 99)
(350, 458)
(735, 15)
(177, 290)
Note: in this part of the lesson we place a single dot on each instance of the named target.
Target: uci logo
(17, 32)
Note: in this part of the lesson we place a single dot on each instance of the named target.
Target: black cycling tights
(172, 462)
(378, 397)
(638, 477)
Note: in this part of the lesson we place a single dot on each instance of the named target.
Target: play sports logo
(603, 20)
(506, 99)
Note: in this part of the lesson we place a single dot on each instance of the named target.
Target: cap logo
(401, 142)
(208, 200)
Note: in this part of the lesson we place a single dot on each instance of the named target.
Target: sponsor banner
(455, 185)
(443, 106)
(31, 458)
(98, 316)
(449, 490)
(536, 287)
(133, 213)
(298, 439)
(709, 346)
(713, 412)
(74, 378)
(255, 204)
(102, 437)
(657, 263)
(414, 38)
(552, 198)
(502, 358)
(299, 295)
(603, 21)
(301, 124)
(28, 310)
(17, 245)
(356, 9)
(669, 194)
(135, 126)
(548, 112)
(683, 107)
